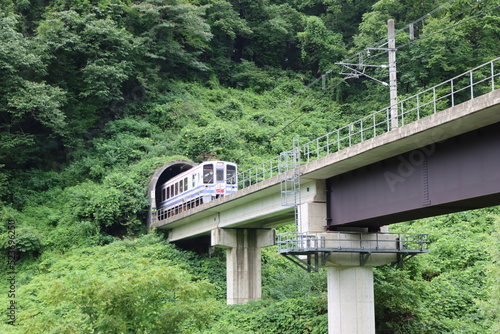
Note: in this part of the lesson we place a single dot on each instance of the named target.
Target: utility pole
(358, 70)
(393, 89)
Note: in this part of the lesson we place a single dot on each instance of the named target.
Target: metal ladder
(290, 184)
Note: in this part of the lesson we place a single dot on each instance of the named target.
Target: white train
(200, 184)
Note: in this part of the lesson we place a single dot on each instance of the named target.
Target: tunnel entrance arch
(160, 176)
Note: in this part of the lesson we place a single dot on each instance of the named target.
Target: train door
(231, 179)
(208, 182)
(220, 185)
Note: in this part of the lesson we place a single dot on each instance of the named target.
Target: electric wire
(303, 113)
(383, 41)
(288, 101)
(450, 27)
(482, 13)
(404, 45)
(379, 44)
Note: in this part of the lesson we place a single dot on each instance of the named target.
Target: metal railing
(296, 242)
(467, 86)
(259, 173)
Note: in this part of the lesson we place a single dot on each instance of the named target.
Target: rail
(464, 87)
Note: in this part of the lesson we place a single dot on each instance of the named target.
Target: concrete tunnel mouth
(160, 176)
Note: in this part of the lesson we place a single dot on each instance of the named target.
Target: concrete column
(351, 304)
(312, 217)
(243, 261)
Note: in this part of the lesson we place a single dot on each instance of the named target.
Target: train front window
(220, 175)
(231, 174)
(208, 173)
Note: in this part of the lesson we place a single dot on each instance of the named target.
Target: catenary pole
(393, 90)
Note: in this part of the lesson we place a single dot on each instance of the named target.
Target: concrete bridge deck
(259, 205)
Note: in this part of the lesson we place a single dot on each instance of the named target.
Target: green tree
(92, 58)
(175, 33)
(226, 26)
(31, 110)
(320, 46)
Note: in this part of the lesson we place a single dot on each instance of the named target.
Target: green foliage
(174, 31)
(491, 305)
(442, 288)
(97, 94)
(43, 102)
(320, 46)
(27, 241)
(282, 279)
(28, 107)
(293, 315)
(104, 54)
(125, 287)
(250, 76)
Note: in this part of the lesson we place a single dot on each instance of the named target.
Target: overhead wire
(371, 56)
(285, 103)
(303, 113)
(404, 45)
(383, 41)
(378, 44)
(450, 27)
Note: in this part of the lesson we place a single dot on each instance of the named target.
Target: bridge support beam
(243, 261)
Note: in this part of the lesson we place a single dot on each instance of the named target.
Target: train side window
(176, 188)
(231, 174)
(194, 180)
(163, 195)
(181, 186)
(172, 191)
(168, 192)
(186, 184)
(208, 173)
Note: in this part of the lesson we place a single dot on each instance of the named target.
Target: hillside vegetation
(95, 95)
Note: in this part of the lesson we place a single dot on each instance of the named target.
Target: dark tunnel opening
(171, 171)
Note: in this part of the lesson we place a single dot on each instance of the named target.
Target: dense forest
(95, 95)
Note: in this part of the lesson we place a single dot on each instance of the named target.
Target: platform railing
(340, 241)
(464, 87)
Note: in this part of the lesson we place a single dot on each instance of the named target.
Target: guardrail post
(492, 76)
(471, 85)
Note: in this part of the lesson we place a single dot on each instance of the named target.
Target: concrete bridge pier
(243, 261)
(351, 303)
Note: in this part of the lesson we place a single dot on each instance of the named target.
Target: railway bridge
(443, 157)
